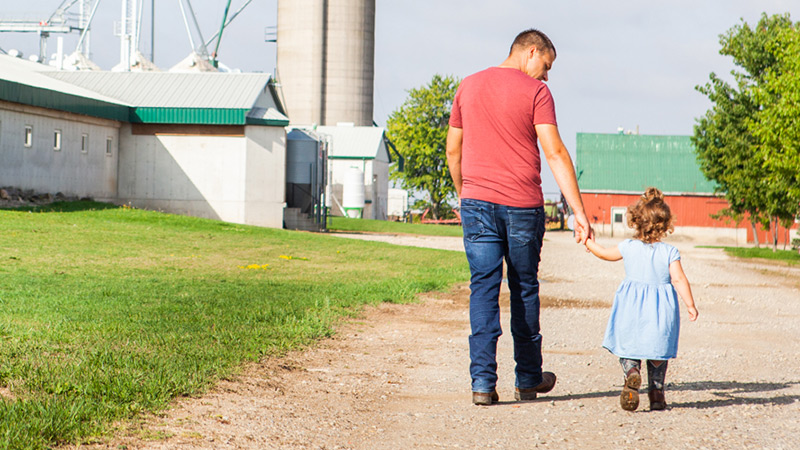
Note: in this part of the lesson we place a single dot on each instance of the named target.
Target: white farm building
(208, 144)
(203, 144)
(365, 149)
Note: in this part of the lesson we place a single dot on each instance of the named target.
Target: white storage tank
(398, 204)
(353, 193)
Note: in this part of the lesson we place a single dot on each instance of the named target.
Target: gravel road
(397, 378)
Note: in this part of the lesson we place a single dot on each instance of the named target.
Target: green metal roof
(152, 97)
(189, 98)
(25, 82)
(35, 96)
(203, 116)
(631, 163)
(172, 90)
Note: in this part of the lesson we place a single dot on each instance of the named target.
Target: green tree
(777, 127)
(726, 144)
(419, 131)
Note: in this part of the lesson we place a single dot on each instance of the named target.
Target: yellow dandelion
(254, 267)
(286, 257)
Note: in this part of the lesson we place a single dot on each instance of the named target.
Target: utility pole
(153, 31)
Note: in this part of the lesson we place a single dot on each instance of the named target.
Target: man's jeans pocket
(524, 225)
(473, 222)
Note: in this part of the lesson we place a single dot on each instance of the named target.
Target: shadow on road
(726, 393)
(561, 398)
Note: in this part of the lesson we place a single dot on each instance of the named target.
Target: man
(498, 115)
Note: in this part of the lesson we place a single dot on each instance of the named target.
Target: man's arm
(561, 164)
(453, 149)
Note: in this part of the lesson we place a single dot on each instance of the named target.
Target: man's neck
(512, 62)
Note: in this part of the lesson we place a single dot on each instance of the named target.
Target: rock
(4, 194)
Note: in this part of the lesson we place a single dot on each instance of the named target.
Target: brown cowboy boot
(629, 397)
(485, 398)
(657, 400)
(547, 384)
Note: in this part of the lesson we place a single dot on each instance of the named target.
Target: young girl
(645, 317)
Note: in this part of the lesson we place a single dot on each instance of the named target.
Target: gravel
(397, 377)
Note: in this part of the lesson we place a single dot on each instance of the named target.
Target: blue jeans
(492, 233)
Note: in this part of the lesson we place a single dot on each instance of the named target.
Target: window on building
(84, 143)
(57, 140)
(109, 146)
(618, 217)
(28, 135)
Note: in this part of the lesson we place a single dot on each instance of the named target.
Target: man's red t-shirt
(497, 108)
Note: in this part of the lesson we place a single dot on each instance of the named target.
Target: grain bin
(306, 167)
(325, 60)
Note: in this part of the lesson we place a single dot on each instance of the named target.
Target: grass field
(382, 226)
(108, 312)
(790, 256)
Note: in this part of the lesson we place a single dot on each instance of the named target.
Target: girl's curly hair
(650, 216)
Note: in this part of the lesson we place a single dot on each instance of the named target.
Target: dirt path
(397, 378)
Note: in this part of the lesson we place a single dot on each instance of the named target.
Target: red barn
(614, 169)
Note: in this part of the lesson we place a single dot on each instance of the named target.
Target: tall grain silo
(326, 54)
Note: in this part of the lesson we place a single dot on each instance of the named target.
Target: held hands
(583, 231)
(589, 242)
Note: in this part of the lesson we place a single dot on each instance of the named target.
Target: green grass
(383, 226)
(790, 256)
(108, 312)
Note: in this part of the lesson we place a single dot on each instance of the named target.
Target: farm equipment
(454, 221)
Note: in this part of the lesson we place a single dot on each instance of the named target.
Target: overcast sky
(620, 63)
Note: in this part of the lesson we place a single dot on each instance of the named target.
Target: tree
(777, 127)
(419, 131)
(724, 149)
(727, 146)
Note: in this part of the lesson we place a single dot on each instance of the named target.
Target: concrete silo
(326, 54)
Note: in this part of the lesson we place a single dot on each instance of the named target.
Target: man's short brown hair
(532, 37)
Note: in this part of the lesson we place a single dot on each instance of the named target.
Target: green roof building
(615, 169)
(203, 144)
(624, 163)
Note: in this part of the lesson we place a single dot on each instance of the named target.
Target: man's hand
(583, 230)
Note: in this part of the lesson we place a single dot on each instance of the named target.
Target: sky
(621, 63)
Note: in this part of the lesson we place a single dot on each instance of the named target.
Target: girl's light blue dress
(645, 317)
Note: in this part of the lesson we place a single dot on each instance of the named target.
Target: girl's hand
(692, 313)
(608, 254)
